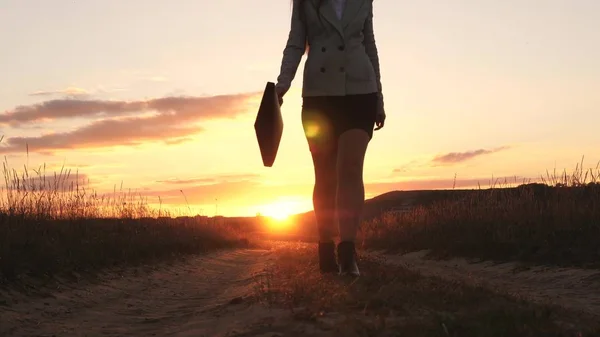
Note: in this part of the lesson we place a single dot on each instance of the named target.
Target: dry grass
(553, 222)
(52, 224)
(392, 301)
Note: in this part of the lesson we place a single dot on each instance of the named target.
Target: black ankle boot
(327, 262)
(347, 259)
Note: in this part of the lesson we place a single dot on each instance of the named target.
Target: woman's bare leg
(324, 194)
(352, 147)
(324, 205)
(350, 197)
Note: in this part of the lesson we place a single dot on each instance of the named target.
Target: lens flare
(312, 130)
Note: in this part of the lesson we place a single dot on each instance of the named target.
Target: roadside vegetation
(52, 224)
(554, 222)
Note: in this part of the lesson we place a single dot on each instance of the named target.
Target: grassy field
(51, 225)
(556, 222)
(393, 301)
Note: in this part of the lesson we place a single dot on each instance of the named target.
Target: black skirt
(326, 118)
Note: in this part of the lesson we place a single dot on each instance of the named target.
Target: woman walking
(342, 105)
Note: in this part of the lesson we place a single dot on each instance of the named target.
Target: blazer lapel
(328, 13)
(352, 9)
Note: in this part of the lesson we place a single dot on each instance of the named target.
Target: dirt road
(206, 296)
(203, 296)
(571, 288)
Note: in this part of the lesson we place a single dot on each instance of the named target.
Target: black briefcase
(269, 125)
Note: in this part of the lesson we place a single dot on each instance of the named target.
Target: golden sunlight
(280, 212)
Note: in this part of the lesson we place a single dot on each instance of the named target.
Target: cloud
(239, 191)
(188, 108)
(178, 141)
(68, 180)
(211, 180)
(228, 189)
(120, 122)
(253, 192)
(195, 181)
(54, 166)
(70, 91)
(458, 157)
(105, 133)
(410, 166)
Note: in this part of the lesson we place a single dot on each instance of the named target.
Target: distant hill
(390, 201)
(304, 223)
(380, 204)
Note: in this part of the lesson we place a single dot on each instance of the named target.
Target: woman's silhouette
(342, 105)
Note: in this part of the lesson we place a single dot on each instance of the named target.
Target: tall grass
(54, 224)
(34, 194)
(555, 221)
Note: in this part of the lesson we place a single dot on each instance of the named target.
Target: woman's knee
(326, 184)
(351, 154)
(350, 167)
(325, 170)
(352, 171)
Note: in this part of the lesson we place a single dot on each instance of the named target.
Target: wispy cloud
(79, 93)
(178, 141)
(206, 193)
(211, 180)
(66, 181)
(70, 91)
(410, 166)
(53, 166)
(458, 157)
(253, 192)
(192, 181)
(163, 119)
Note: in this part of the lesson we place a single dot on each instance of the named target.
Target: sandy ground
(200, 297)
(203, 296)
(570, 288)
(206, 296)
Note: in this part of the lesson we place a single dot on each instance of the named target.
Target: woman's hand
(379, 120)
(380, 116)
(280, 93)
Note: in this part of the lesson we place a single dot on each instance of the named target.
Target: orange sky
(161, 97)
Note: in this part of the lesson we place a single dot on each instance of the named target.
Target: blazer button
(322, 70)
(323, 49)
(341, 48)
(342, 69)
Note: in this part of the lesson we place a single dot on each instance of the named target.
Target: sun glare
(280, 212)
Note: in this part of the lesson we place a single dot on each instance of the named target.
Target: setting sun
(280, 210)
(280, 215)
